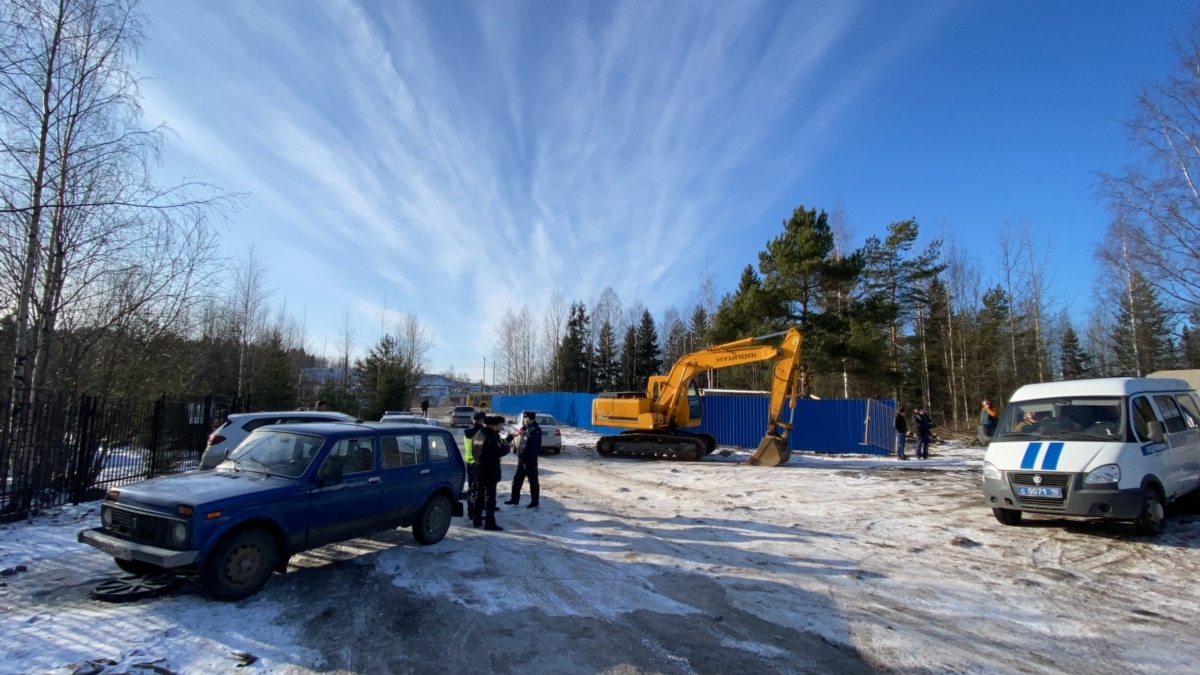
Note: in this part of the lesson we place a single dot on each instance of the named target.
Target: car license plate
(1029, 491)
(118, 552)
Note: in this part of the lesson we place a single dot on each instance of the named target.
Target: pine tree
(607, 375)
(574, 356)
(629, 358)
(1076, 363)
(386, 380)
(274, 380)
(1142, 337)
(649, 357)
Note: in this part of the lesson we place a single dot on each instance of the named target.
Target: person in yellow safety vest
(469, 456)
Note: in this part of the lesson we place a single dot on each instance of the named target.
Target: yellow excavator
(654, 421)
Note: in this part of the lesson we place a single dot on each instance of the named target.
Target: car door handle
(424, 472)
(374, 480)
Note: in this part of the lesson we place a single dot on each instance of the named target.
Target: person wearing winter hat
(488, 447)
(469, 456)
(527, 460)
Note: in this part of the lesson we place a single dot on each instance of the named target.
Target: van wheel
(1007, 516)
(240, 565)
(433, 522)
(1153, 513)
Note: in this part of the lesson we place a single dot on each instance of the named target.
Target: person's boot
(514, 501)
(532, 505)
(493, 527)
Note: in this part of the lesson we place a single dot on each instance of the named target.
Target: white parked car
(237, 427)
(408, 418)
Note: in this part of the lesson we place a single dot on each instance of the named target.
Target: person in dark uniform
(527, 460)
(924, 427)
(901, 425)
(488, 448)
(469, 437)
(425, 408)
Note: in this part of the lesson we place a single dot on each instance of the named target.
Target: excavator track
(657, 445)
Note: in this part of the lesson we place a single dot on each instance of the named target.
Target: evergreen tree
(607, 375)
(649, 356)
(1142, 337)
(802, 279)
(387, 380)
(629, 358)
(898, 281)
(273, 383)
(574, 356)
(1076, 363)
(697, 330)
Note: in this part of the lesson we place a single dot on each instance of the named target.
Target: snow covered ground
(846, 564)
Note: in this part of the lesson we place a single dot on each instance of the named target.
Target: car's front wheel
(240, 565)
(434, 521)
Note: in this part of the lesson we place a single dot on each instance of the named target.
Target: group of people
(485, 446)
(923, 428)
(922, 425)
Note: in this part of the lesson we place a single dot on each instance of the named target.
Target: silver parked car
(237, 427)
(551, 434)
(409, 418)
(462, 416)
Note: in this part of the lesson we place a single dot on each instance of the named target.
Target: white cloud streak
(463, 163)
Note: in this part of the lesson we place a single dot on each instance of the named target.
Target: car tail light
(215, 438)
(558, 432)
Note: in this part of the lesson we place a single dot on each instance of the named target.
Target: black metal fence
(70, 448)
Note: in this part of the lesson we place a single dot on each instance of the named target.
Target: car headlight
(1109, 473)
(179, 534)
(990, 472)
(106, 517)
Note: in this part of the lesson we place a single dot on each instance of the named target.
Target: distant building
(440, 390)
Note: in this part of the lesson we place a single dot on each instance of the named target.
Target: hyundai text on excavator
(655, 420)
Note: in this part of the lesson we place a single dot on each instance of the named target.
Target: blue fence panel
(827, 426)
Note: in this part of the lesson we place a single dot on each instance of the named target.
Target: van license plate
(1029, 491)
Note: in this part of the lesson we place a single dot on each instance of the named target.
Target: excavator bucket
(772, 451)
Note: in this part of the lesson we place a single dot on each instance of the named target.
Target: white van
(1120, 448)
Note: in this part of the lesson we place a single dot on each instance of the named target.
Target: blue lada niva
(285, 489)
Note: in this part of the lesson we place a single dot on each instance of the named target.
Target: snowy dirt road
(823, 565)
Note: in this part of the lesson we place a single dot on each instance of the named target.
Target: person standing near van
(924, 428)
(989, 417)
(527, 460)
(469, 437)
(425, 408)
(901, 432)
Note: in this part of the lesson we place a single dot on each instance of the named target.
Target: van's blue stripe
(1050, 461)
(1031, 454)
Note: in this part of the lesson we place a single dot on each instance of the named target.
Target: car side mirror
(1158, 432)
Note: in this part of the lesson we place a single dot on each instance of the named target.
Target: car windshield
(274, 453)
(1080, 418)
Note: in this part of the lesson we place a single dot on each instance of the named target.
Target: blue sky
(456, 159)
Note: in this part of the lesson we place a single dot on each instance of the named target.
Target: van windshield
(1079, 418)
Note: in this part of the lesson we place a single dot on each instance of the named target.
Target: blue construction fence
(844, 426)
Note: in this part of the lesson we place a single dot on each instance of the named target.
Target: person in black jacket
(527, 460)
(901, 432)
(488, 447)
(924, 430)
(469, 437)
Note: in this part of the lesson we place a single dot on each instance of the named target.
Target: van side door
(1180, 442)
(1190, 466)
